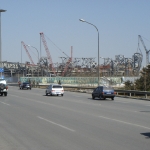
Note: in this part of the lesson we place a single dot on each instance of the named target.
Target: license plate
(108, 93)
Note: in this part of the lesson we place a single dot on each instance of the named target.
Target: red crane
(67, 64)
(47, 52)
(24, 45)
(66, 67)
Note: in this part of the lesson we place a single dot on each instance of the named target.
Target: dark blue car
(25, 85)
(103, 92)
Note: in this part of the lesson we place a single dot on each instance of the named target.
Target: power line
(56, 46)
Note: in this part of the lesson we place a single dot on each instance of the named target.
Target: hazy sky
(119, 23)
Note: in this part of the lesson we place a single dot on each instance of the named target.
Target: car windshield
(26, 83)
(2, 79)
(57, 86)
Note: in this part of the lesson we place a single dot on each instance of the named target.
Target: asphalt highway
(29, 120)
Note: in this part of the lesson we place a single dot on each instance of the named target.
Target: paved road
(29, 120)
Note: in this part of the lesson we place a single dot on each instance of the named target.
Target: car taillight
(114, 92)
(6, 87)
(53, 90)
(62, 90)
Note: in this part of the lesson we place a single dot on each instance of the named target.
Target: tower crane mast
(47, 52)
(147, 51)
(24, 45)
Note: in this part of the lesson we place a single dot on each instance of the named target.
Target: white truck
(3, 87)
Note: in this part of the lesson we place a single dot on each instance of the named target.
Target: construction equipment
(147, 51)
(47, 52)
(67, 63)
(66, 67)
(24, 45)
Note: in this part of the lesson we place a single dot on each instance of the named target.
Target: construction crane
(47, 52)
(24, 45)
(66, 67)
(147, 51)
(67, 64)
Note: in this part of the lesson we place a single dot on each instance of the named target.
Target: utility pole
(1, 10)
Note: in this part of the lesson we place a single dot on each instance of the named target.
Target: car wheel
(112, 98)
(62, 94)
(104, 98)
(30, 88)
(5, 94)
(93, 97)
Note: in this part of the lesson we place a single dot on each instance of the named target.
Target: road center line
(124, 122)
(5, 103)
(56, 124)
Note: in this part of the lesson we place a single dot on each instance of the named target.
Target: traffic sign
(1, 69)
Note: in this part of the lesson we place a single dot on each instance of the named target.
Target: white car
(3, 87)
(54, 89)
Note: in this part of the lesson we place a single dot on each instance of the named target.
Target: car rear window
(108, 88)
(57, 86)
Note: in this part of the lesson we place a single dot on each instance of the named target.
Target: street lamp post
(37, 53)
(98, 44)
(145, 80)
(102, 71)
(1, 10)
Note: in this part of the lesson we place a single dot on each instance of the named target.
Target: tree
(143, 83)
(129, 85)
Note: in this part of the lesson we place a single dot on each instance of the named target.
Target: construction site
(75, 67)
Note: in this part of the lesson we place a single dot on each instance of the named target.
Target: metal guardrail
(124, 93)
(133, 93)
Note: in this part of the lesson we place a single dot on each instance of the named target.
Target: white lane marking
(5, 103)
(124, 122)
(56, 124)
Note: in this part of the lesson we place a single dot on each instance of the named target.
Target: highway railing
(122, 93)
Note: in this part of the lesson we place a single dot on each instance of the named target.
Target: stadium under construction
(68, 67)
(74, 67)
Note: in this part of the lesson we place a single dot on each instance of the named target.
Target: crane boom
(66, 67)
(47, 52)
(147, 51)
(24, 45)
(68, 62)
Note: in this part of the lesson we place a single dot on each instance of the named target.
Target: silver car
(54, 89)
